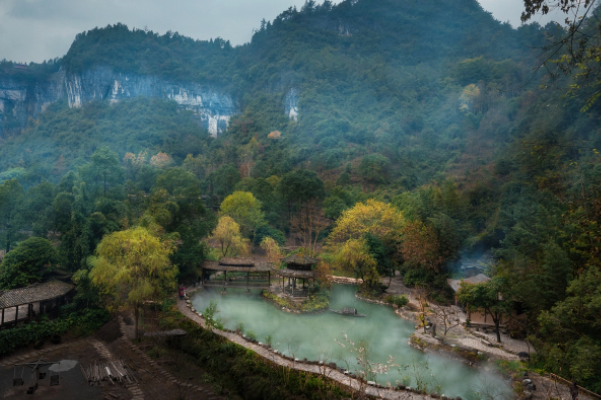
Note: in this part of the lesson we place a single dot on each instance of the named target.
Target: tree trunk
(498, 330)
(7, 238)
(137, 318)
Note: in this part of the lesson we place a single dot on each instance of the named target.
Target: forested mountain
(429, 106)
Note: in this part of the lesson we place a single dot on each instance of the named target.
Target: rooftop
(296, 273)
(34, 293)
(455, 284)
(254, 267)
(300, 260)
(239, 262)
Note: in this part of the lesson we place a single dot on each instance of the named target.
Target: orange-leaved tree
(420, 247)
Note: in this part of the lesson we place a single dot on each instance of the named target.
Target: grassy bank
(233, 371)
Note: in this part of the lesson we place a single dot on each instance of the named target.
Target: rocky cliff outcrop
(20, 100)
(213, 107)
(291, 104)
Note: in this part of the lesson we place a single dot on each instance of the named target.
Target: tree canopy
(134, 265)
(27, 263)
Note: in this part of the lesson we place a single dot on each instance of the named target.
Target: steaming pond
(313, 337)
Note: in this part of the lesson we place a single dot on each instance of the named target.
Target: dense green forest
(430, 118)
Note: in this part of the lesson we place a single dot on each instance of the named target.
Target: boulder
(527, 395)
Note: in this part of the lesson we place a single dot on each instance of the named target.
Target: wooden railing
(580, 388)
(237, 284)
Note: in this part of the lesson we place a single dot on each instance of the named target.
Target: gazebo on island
(244, 273)
(298, 266)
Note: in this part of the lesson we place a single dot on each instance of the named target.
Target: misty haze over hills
(430, 117)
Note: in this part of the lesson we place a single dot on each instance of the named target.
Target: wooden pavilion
(24, 304)
(244, 273)
(298, 266)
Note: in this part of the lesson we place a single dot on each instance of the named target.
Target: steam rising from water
(313, 337)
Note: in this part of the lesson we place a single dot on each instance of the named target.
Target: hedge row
(81, 322)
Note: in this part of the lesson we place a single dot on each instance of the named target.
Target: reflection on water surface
(313, 337)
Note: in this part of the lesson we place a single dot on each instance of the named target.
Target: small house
(25, 304)
(476, 317)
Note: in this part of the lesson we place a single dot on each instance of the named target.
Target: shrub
(399, 301)
(82, 323)
(27, 263)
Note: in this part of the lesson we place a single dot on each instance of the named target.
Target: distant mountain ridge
(336, 81)
(208, 76)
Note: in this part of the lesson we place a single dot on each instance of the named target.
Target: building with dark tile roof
(24, 304)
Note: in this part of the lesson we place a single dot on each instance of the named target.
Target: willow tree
(134, 265)
(354, 256)
(227, 234)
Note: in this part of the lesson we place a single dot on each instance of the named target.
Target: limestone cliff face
(213, 107)
(291, 104)
(19, 100)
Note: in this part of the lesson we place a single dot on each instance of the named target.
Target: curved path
(328, 372)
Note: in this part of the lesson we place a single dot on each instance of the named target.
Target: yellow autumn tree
(227, 235)
(244, 208)
(379, 219)
(272, 250)
(354, 256)
(468, 96)
(135, 266)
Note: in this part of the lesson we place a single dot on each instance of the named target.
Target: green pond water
(314, 337)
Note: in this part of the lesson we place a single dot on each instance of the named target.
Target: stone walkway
(458, 335)
(328, 372)
(509, 344)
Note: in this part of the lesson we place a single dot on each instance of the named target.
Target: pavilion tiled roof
(237, 262)
(34, 293)
(300, 260)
